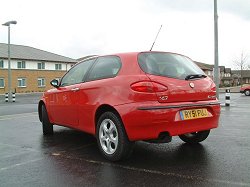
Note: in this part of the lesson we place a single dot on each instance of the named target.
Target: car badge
(164, 98)
(191, 84)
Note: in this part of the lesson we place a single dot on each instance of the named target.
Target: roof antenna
(155, 39)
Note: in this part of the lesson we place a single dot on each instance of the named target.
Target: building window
(1, 82)
(21, 82)
(41, 65)
(21, 65)
(58, 66)
(41, 82)
(210, 73)
(1, 64)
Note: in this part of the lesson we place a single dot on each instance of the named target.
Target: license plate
(194, 114)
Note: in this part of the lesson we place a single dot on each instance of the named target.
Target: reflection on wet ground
(71, 158)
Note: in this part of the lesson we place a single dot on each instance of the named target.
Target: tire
(47, 126)
(195, 137)
(111, 137)
(247, 92)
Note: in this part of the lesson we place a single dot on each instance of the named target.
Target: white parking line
(171, 174)
(17, 154)
(19, 164)
(229, 136)
(189, 177)
(13, 116)
(23, 150)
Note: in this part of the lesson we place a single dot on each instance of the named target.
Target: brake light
(148, 87)
(213, 87)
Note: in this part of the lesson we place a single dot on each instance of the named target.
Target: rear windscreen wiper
(195, 76)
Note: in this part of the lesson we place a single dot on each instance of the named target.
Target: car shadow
(174, 156)
(65, 139)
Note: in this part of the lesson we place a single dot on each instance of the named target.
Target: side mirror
(54, 83)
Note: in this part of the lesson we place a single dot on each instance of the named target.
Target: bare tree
(241, 64)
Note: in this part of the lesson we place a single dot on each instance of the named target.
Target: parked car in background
(245, 89)
(127, 97)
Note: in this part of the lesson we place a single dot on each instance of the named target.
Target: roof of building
(22, 52)
(222, 68)
(245, 73)
(204, 66)
(227, 70)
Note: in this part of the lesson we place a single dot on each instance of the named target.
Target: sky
(78, 28)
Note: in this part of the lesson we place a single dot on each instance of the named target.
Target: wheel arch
(105, 108)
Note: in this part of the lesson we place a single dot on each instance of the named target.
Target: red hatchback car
(245, 89)
(123, 98)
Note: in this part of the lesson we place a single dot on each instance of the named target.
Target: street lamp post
(9, 67)
(216, 53)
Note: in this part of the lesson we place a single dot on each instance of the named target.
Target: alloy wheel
(247, 92)
(108, 136)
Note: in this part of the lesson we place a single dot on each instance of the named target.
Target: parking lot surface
(71, 158)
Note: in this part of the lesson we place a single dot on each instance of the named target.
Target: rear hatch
(183, 79)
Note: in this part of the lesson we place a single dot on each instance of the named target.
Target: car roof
(136, 53)
(129, 54)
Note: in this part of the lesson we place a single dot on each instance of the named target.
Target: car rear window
(168, 65)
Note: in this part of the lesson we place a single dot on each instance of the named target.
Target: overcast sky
(76, 28)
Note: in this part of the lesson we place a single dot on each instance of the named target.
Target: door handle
(75, 89)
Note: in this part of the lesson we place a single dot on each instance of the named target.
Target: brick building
(225, 75)
(207, 68)
(241, 77)
(31, 69)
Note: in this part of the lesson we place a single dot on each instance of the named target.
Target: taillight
(212, 94)
(213, 87)
(148, 87)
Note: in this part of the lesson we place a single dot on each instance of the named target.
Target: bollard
(13, 97)
(227, 97)
(6, 97)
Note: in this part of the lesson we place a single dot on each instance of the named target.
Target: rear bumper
(242, 91)
(145, 121)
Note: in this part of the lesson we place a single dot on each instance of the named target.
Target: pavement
(235, 89)
(71, 158)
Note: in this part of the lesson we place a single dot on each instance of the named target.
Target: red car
(123, 98)
(245, 90)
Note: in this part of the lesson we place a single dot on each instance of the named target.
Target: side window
(76, 74)
(105, 67)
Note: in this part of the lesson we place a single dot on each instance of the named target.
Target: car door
(64, 104)
(97, 89)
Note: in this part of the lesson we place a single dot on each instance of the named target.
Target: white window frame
(42, 64)
(42, 81)
(23, 65)
(57, 66)
(23, 82)
(3, 83)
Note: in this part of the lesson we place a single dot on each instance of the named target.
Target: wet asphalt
(71, 158)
